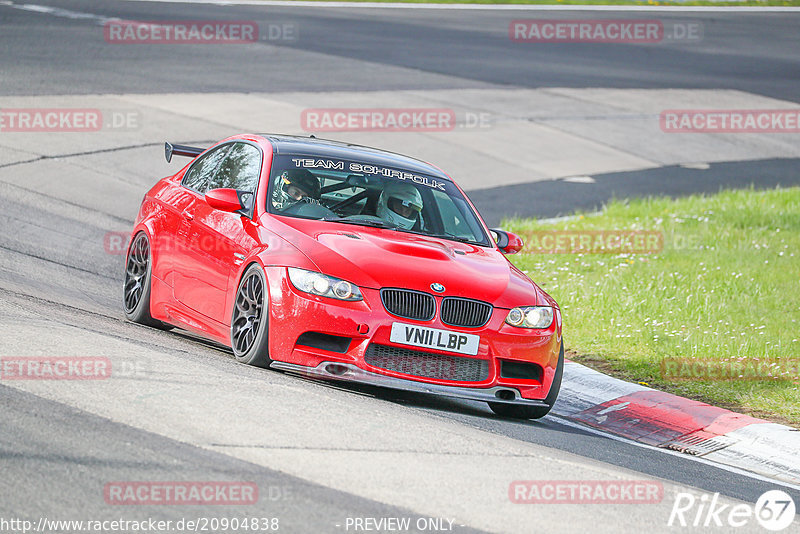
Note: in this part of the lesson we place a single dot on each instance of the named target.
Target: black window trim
(488, 242)
(199, 159)
(244, 212)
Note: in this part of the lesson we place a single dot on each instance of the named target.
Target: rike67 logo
(774, 510)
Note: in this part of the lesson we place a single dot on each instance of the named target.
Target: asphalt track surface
(56, 455)
(555, 198)
(753, 52)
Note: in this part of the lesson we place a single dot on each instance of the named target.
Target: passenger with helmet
(293, 186)
(400, 204)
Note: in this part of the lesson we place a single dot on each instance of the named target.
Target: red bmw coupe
(343, 262)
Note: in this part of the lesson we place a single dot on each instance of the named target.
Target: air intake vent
(318, 340)
(465, 312)
(426, 364)
(521, 370)
(409, 304)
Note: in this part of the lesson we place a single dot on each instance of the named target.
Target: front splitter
(351, 373)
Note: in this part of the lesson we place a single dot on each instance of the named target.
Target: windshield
(358, 193)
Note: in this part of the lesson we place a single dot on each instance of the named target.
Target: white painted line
(724, 467)
(583, 388)
(564, 218)
(60, 12)
(698, 166)
(579, 179)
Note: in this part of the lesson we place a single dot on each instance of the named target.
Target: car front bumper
(351, 373)
(365, 323)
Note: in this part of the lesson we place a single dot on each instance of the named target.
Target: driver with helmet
(295, 185)
(400, 204)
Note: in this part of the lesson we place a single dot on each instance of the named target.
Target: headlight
(530, 317)
(323, 285)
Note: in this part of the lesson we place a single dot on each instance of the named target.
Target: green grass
(725, 287)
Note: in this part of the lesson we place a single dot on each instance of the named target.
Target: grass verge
(710, 310)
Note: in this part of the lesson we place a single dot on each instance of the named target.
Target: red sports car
(343, 262)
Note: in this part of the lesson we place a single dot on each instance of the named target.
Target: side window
(198, 177)
(454, 220)
(240, 170)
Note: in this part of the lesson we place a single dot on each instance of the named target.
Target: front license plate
(435, 338)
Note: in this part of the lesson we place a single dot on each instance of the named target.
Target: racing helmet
(400, 203)
(290, 181)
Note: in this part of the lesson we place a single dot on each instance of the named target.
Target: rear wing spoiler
(181, 150)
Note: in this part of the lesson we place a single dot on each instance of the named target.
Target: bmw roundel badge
(436, 286)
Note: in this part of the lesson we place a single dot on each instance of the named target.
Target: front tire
(136, 292)
(516, 411)
(250, 321)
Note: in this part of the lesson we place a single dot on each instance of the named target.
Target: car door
(170, 224)
(218, 241)
(196, 181)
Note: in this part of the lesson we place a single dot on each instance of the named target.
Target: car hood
(378, 258)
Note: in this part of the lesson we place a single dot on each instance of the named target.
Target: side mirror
(508, 242)
(224, 200)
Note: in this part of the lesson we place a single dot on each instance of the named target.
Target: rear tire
(516, 411)
(136, 291)
(250, 320)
